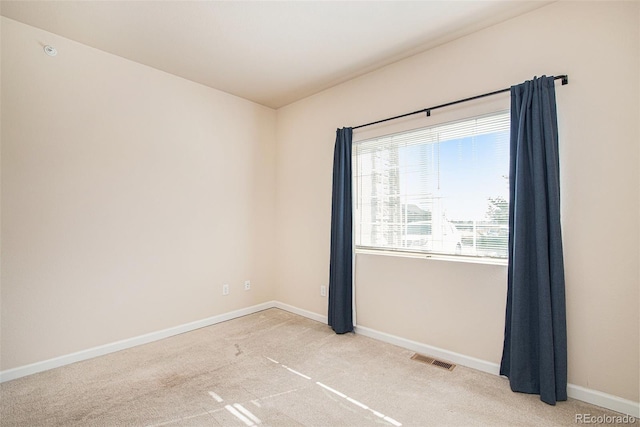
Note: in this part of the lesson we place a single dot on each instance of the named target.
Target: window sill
(434, 257)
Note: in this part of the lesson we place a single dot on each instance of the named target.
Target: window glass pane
(442, 189)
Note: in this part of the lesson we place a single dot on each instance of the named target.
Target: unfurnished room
(319, 213)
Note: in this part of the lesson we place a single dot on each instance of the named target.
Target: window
(437, 190)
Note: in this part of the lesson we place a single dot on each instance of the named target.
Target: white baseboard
(301, 312)
(587, 395)
(604, 400)
(591, 396)
(449, 356)
(22, 371)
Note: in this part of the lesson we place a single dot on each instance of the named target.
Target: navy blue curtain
(341, 264)
(534, 356)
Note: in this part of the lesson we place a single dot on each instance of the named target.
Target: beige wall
(129, 196)
(460, 307)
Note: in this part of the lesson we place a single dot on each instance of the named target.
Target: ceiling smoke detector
(50, 50)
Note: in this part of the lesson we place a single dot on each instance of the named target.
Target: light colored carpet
(271, 368)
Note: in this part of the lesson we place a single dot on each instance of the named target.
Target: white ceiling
(272, 53)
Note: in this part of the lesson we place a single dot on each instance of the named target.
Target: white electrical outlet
(247, 285)
(225, 289)
(323, 291)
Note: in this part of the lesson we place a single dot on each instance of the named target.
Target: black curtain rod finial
(565, 80)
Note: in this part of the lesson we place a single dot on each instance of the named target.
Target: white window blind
(439, 190)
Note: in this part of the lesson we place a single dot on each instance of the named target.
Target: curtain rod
(565, 80)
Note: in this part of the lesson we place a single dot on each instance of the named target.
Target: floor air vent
(435, 362)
